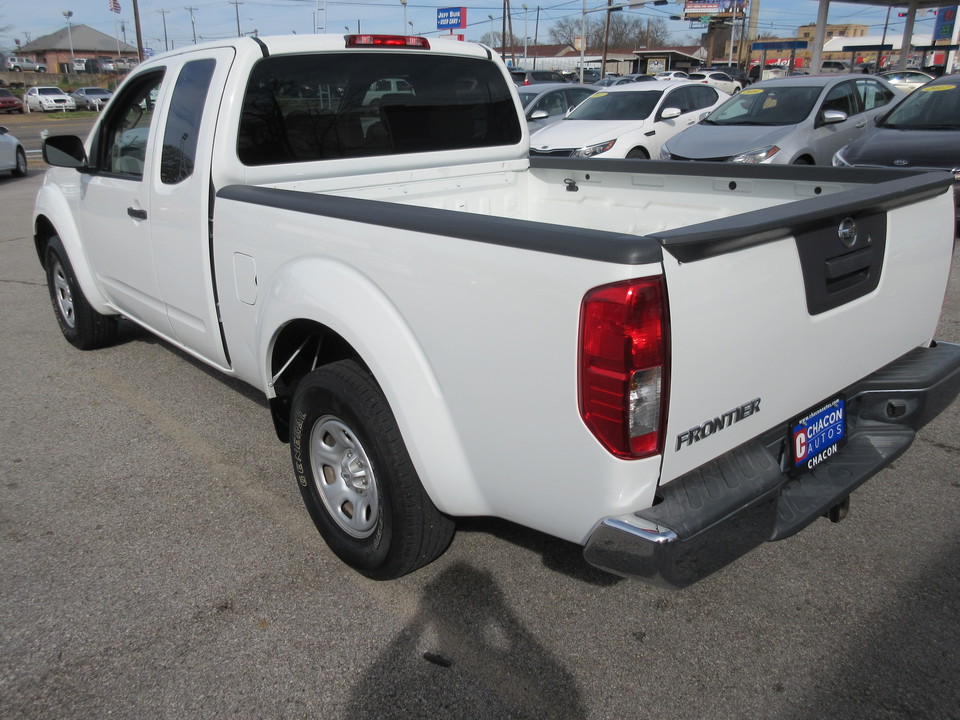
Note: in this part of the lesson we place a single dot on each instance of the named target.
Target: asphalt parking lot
(156, 561)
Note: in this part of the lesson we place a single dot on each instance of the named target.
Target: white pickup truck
(666, 363)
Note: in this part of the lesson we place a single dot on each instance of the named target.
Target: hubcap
(21, 163)
(64, 296)
(343, 477)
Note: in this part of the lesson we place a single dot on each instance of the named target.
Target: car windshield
(634, 105)
(767, 106)
(50, 91)
(932, 107)
(96, 91)
(5, 93)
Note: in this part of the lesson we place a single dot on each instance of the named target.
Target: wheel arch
(305, 323)
(53, 216)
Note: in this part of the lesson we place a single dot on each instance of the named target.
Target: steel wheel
(21, 169)
(344, 477)
(64, 295)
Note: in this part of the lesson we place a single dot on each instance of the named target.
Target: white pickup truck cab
(666, 363)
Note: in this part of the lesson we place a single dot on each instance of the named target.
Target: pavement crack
(33, 283)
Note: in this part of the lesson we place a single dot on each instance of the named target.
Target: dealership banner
(693, 9)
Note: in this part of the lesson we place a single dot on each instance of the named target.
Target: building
(58, 50)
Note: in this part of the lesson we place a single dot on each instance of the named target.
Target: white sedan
(48, 98)
(719, 80)
(12, 155)
(905, 81)
(628, 121)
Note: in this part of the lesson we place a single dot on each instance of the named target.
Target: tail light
(624, 366)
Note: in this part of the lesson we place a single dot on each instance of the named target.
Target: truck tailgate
(775, 312)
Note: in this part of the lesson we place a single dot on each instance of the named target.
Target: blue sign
(449, 18)
(943, 29)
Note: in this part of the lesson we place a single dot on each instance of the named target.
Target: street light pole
(69, 14)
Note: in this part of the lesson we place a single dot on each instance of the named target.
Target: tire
(81, 325)
(21, 169)
(802, 161)
(638, 153)
(356, 477)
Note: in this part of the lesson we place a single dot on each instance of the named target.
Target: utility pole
(69, 14)
(193, 24)
(236, 6)
(136, 22)
(163, 13)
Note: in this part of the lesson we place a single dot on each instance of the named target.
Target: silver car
(546, 103)
(787, 121)
(91, 98)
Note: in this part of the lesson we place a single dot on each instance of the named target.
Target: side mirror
(539, 115)
(65, 151)
(669, 113)
(3, 130)
(833, 116)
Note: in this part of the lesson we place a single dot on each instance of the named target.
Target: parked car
(732, 70)
(905, 80)
(48, 98)
(547, 103)
(591, 76)
(533, 77)
(923, 132)
(623, 80)
(719, 80)
(787, 121)
(12, 155)
(671, 75)
(829, 67)
(19, 64)
(628, 121)
(10, 103)
(91, 98)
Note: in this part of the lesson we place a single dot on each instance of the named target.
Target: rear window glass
(300, 108)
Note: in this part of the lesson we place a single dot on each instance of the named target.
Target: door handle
(137, 214)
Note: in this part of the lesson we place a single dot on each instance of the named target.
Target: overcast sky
(213, 19)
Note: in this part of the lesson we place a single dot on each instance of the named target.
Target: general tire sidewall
(309, 405)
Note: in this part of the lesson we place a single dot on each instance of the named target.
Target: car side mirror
(65, 151)
(3, 130)
(669, 113)
(833, 116)
(539, 115)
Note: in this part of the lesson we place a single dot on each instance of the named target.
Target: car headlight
(664, 153)
(839, 160)
(592, 150)
(757, 155)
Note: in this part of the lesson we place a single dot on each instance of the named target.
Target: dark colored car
(533, 77)
(923, 131)
(9, 102)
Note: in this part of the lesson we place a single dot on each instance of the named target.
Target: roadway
(156, 561)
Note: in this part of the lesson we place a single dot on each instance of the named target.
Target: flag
(114, 6)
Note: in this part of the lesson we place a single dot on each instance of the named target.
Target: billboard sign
(943, 29)
(450, 18)
(715, 9)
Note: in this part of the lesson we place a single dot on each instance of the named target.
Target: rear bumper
(720, 511)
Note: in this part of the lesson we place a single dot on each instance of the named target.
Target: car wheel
(21, 169)
(81, 325)
(638, 153)
(803, 161)
(356, 477)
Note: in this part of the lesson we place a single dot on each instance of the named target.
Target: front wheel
(356, 477)
(21, 169)
(81, 325)
(638, 153)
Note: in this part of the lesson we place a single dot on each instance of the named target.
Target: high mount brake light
(388, 41)
(624, 366)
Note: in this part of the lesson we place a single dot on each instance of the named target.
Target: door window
(122, 148)
(873, 94)
(841, 98)
(183, 121)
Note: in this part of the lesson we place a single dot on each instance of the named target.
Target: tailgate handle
(848, 264)
(137, 214)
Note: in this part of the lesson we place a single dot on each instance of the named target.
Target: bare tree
(625, 31)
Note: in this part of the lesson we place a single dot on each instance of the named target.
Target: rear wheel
(81, 325)
(356, 477)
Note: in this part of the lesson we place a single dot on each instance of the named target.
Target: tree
(626, 31)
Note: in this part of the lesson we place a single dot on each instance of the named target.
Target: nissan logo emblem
(847, 232)
(901, 163)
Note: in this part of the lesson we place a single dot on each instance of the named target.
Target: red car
(10, 102)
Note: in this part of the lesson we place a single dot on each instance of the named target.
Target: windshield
(634, 105)
(932, 107)
(767, 106)
(97, 91)
(50, 91)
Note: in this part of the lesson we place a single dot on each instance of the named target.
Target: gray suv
(19, 64)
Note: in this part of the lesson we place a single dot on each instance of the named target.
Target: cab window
(122, 146)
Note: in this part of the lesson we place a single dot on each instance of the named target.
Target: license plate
(818, 435)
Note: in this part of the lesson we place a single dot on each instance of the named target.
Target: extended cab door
(114, 210)
(180, 204)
